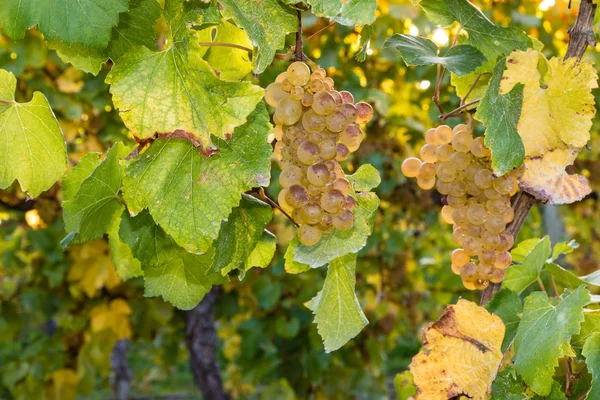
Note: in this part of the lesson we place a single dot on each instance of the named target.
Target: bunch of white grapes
(475, 201)
(316, 127)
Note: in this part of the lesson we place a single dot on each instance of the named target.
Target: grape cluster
(316, 127)
(475, 201)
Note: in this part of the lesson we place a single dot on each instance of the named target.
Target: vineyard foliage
(150, 152)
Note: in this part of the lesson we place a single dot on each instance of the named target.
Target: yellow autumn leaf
(461, 354)
(63, 385)
(92, 267)
(555, 122)
(113, 316)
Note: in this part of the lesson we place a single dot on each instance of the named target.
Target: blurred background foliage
(61, 312)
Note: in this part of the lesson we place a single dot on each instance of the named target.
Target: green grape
(311, 213)
(329, 82)
(298, 73)
(460, 161)
(365, 112)
(459, 216)
(289, 111)
(336, 121)
(444, 152)
(410, 167)
(313, 191)
(342, 184)
(297, 217)
(427, 171)
(481, 285)
(471, 245)
(328, 149)
(462, 141)
(460, 258)
(444, 134)
(431, 137)
(446, 172)
(472, 189)
(313, 122)
(274, 94)
(316, 137)
(468, 272)
(326, 223)
(333, 201)
(287, 86)
(318, 174)
(347, 97)
(344, 220)
(308, 152)
(503, 260)
(350, 202)
(425, 183)
(475, 230)
(478, 148)
(342, 152)
(484, 272)
(290, 176)
(459, 235)
(323, 103)
(483, 178)
(283, 203)
(455, 269)
(309, 235)
(459, 128)
(446, 214)
(337, 97)
(456, 201)
(472, 170)
(278, 132)
(469, 285)
(495, 224)
(428, 153)
(296, 196)
(318, 74)
(281, 77)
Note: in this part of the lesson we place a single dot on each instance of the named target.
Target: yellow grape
(444, 152)
(309, 235)
(446, 214)
(444, 134)
(428, 153)
(298, 73)
(410, 167)
(460, 258)
(425, 183)
(462, 141)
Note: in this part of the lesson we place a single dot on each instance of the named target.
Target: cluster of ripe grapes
(316, 127)
(475, 201)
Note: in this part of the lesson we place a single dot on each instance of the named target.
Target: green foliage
(507, 305)
(591, 352)
(417, 50)
(519, 277)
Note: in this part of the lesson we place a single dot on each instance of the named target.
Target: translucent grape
(274, 94)
(336, 121)
(460, 161)
(333, 201)
(484, 272)
(472, 189)
(459, 216)
(446, 214)
(442, 187)
(278, 132)
(469, 285)
(290, 176)
(427, 171)
(344, 220)
(457, 189)
(428, 153)
(490, 241)
(503, 260)
(456, 201)
(329, 82)
(455, 269)
(298, 73)
(296, 196)
(328, 149)
(313, 122)
(342, 152)
(459, 128)
(318, 174)
(281, 77)
(481, 285)
(425, 183)
(297, 93)
(326, 223)
(323, 103)
(283, 203)
(483, 178)
(446, 172)
(475, 230)
(487, 257)
(460, 258)
(459, 235)
(491, 193)
(496, 206)
(506, 242)
(495, 224)
(431, 137)
(319, 74)
(337, 97)
(287, 86)
(347, 97)
(471, 245)
(472, 170)
(503, 184)
(462, 141)
(508, 215)
(311, 213)
(307, 100)
(349, 112)
(444, 134)
(288, 112)
(365, 112)
(468, 272)
(478, 148)
(309, 235)
(444, 152)
(351, 137)
(343, 185)
(350, 202)
(498, 275)
(308, 152)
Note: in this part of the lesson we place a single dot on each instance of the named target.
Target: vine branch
(298, 49)
(223, 44)
(581, 36)
(319, 31)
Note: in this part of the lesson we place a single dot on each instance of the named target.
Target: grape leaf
(181, 278)
(519, 277)
(507, 386)
(90, 212)
(364, 42)
(87, 22)
(492, 40)
(337, 311)
(591, 351)
(404, 386)
(240, 233)
(557, 113)
(500, 114)
(507, 305)
(85, 58)
(417, 50)
(72, 181)
(564, 248)
(267, 23)
(188, 194)
(345, 12)
(33, 151)
(365, 178)
(291, 265)
(126, 265)
(231, 63)
(520, 251)
(460, 355)
(263, 252)
(544, 334)
(571, 280)
(589, 328)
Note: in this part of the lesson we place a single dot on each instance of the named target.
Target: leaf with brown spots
(460, 355)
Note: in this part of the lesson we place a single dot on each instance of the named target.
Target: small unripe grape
(444, 152)
(491, 193)
(274, 94)
(503, 184)
(313, 191)
(336, 121)
(287, 86)
(459, 236)
(446, 214)
(503, 260)
(498, 275)
(460, 161)
(469, 272)
(328, 149)
(311, 213)
(342, 152)
(462, 141)
(478, 148)
(344, 220)
(323, 103)
(425, 183)
(508, 215)
(446, 172)
(342, 184)
(495, 224)
(318, 174)
(298, 73)
(289, 111)
(483, 178)
(333, 201)
(428, 153)
(309, 235)
(460, 258)
(427, 171)
(350, 202)
(313, 122)
(308, 152)
(290, 176)
(506, 242)
(444, 134)
(347, 97)
(296, 196)
(410, 167)
(365, 112)
(283, 203)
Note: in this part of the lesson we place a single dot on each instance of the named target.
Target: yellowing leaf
(113, 316)
(460, 355)
(64, 385)
(556, 118)
(92, 267)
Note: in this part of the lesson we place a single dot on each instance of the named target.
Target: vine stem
(10, 102)
(263, 195)
(319, 31)
(298, 48)
(459, 109)
(223, 44)
(580, 36)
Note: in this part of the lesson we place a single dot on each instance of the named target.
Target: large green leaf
(189, 194)
(492, 40)
(263, 252)
(519, 277)
(180, 277)
(417, 50)
(90, 211)
(87, 22)
(569, 279)
(500, 115)
(365, 178)
(240, 233)
(507, 305)
(544, 334)
(267, 23)
(508, 386)
(126, 265)
(72, 181)
(33, 149)
(85, 58)
(338, 314)
(589, 328)
(591, 351)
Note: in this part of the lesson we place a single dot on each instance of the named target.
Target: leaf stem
(10, 102)
(539, 281)
(459, 109)
(319, 31)
(223, 44)
(436, 92)
(462, 102)
(263, 195)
